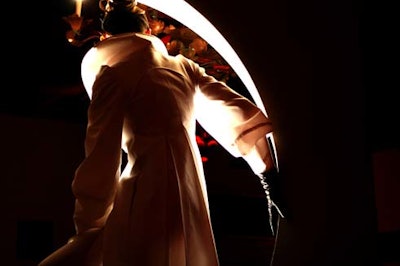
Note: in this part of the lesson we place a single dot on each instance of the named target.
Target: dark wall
(306, 59)
(38, 160)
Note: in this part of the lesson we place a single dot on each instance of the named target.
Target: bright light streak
(184, 13)
(190, 17)
(78, 7)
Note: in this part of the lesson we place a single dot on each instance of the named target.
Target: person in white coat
(155, 212)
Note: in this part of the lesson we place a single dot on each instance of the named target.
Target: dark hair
(122, 21)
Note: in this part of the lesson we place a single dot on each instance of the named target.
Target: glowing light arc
(184, 13)
(190, 17)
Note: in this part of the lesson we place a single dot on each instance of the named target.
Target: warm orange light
(78, 7)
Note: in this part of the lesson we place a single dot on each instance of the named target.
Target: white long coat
(154, 213)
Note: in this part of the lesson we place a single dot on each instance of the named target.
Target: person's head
(124, 18)
(107, 5)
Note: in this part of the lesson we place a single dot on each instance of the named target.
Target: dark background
(41, 79)
(43, 76)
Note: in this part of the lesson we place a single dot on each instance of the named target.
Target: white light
(184, 13)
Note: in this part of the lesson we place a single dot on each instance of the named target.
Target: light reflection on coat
(156, 211)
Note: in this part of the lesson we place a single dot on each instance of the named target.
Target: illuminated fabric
(156, 211)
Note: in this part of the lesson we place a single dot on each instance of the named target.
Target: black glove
(270, 183)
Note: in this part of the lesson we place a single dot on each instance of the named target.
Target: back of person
(150, 96)
(146, 102)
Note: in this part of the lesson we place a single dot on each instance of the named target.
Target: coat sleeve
(95, 180)
(233, 121)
